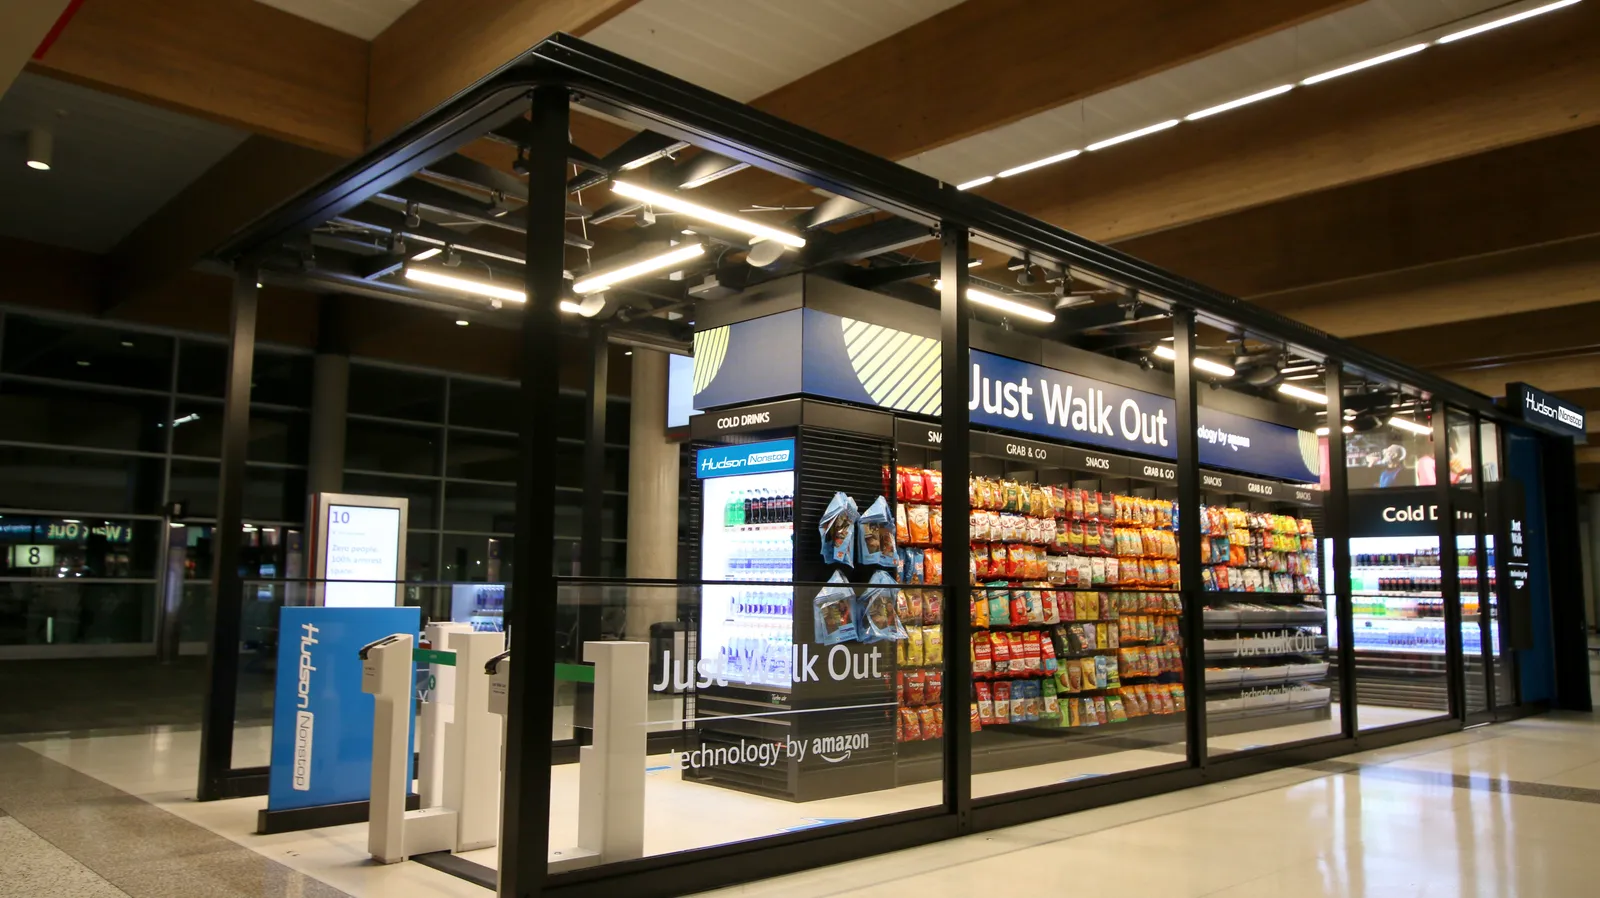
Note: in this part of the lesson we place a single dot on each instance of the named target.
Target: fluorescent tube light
(1040, 163)
(1366, 63)
(716, 175)
(1299, 369)
(1121, 138)
(1323, 431)
(1242, 101)
(974, 263)
(462, 322)
(601, 280)
(1303, 393)
(1408, 424)
(975, 182)
(755, 229)
(468, 285)
(1003, 304)
(427, 254)
(1200, 364)
(1311, 376)
(1489, 26)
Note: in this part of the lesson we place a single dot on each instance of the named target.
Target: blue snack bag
(877, 619)
(838, 528)
(875, 533)
(835, 610)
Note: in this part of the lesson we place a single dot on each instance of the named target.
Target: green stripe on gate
(575, 673)
(434, 656)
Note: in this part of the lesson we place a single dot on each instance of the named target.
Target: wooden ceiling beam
(1525, 195)
(962, 72)
(440, 47)
(1515, 337)
(1522, 280)
(1560, 375)
(1536, 80)
(238, 62)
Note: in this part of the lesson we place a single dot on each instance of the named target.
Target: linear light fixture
(1490, 26)
(1365, 63)
(1242, 101)
(1041, 163)
(481, 288)
(1323, 431)
(1123, 138)
(975, 182)
(974, 263)
(427, 254)
(604, 279)
(1200, 364)
(755, 229)
(1408, 424)
(1303, 393)
(1003, 304)
(1299, 369)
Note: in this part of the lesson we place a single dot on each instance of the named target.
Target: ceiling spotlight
(41, 143)
(520, 164)
(462, 322)
(397, 243)
(452, 259)
(645, 217)
(413, 218)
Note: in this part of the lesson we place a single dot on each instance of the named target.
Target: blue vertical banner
(321, 720)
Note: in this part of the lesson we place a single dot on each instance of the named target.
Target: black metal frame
(561, 70)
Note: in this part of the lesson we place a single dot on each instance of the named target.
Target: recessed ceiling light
(127, 344)
(83, 363)
(461, 322)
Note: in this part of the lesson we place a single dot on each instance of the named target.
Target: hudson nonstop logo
(304, 719)
(754, 459)
(1561, 413)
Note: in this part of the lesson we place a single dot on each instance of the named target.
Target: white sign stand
(359, 549)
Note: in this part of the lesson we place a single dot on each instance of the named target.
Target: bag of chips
(977, 724)
(1002, 701)
(916, 687)
(1000, 649)
(982, 655)
(980, 611)
(917, 524)
(911, 565)
(1049, 611)
(932, 567)
(934, 691)
(835, 612)
(912, 646)
(910, 725)
(932, 726)
(876, 618)
(932, 646)
(932, 607)
(1115, 711)
(838, 528)
(933, 486)
(985, 704)
(935, 525)
(902, 534)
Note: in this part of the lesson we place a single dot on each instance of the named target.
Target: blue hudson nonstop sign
(321, 720)
(746, 458)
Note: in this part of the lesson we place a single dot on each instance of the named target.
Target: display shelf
(1223, 619)
(1260, 647)
(1220, 679)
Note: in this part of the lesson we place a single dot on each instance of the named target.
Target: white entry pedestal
(611, 771)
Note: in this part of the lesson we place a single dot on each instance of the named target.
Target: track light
(975, 182)
(1303, 393)
(480, 288)
(1003, 304)
(1200, 364)
(413, 217)
(1365, 63)
(41, 146)
(452, 259)
(397, 243)
(1408, 424)
(1489, 26)
(601, 280)
(755, 229)
(1041, 163)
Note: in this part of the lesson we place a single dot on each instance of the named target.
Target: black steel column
(1564, 560)
(1186, 431)
(531, 611)
(1449, 570)
(594, 463)
(1336, 518)
(227, 589)
(955, 369)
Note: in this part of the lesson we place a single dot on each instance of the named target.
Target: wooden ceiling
(1438, 208)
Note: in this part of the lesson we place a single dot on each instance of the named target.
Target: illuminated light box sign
(747, 458)
(1547, 412)
(819, 354)
(360, 549)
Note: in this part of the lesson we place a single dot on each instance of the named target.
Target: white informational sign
(33, 556)
(361, 552)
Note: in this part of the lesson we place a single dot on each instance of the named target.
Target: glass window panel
(477, 456)
(279, 378)
(73, 416)
(86, 353)
(391, 393)
(486, 405)
(71, 547)
(274, 494)
(276, 436)
(79, 481)
(479, 507)
(203, 368)
(423, 494)
(391, 448)
(476, 559)
(62, 612)
(194, 483)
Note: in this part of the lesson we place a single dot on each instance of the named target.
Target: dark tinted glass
(72, 481)
(101, 355)
(391, 448)
(422, 493)
(479, 456)
(73, 416)
(389, 393)
(479, 508)
(490, 406)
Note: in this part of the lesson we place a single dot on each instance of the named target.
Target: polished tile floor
(1503, 810)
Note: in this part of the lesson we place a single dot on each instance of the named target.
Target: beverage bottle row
(1424, 558)
(764, 603)
(758, 652)
(760, 555)
(747, 507)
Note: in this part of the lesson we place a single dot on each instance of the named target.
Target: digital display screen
(362, 560)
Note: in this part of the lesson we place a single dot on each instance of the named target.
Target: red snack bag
(910, 726)
(997, 560)
(1099, 711)
(1052, 611)
(985, 704)
(916, 688)
(1031, 652)
(1019, 654)
(915, 491)
(1019, 606)
(982, 655)
(901, 477)
(1000, 649)
(938, 721)
(930, 723)
(900, 689)
(933, 486)
(1016, 562)
(932, 606)
(977, 723)
(934, 691)
(933, 565)
(1002, 701)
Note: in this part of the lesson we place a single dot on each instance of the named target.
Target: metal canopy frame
(528, 102)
